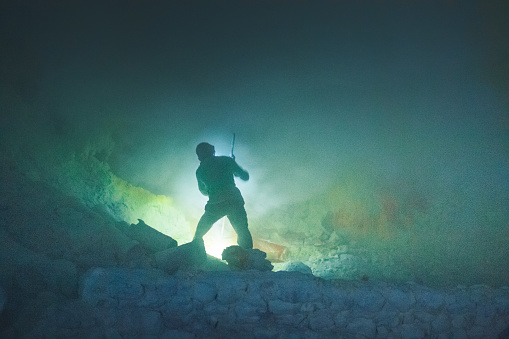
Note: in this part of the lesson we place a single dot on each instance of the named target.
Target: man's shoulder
(224, 158)
(215, 161)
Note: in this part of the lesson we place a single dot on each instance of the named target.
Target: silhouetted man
(215, 177)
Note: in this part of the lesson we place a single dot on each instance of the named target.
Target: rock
(150, 238)
(135, 302)
(341, 319)
(388, 316)
(230, 290)
(411, 331)
(441, 323)
(170, 333)
(321, 320)
(242, 259)
(400, 299)
(187, 255)
(382, 331)
(243, 309)
(363, 326)
(204, 292)
(432, 300)
(279, 307)
(106, 287)
(296, 266)
(139, 256)
(33, 272)
(291, 320)
(213, 264)
(368, 300)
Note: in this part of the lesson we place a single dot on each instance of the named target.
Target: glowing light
(220, 236)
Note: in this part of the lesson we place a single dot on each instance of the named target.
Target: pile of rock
(134, 302)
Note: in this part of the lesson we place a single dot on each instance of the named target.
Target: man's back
(215, 178)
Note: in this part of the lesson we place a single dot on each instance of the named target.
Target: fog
(394, 116)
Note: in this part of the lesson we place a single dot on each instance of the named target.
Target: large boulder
(187, 255)
(149, 237)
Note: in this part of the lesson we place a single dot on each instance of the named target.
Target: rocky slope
(68, 270)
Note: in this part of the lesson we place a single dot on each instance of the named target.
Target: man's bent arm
(201, 185)
(240, 172)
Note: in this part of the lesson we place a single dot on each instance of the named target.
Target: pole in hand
(233, 146)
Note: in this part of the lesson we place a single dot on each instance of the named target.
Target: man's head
(205, 150)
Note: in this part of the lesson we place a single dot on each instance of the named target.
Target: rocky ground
(67, 270)
(125, 303)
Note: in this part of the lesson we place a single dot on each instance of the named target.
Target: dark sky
(312, 89)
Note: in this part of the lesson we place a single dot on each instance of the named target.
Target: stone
(459, 321)
(243, 309)
(411, 331)
(292, 320)
(367, 300)
(149, 237)
(441, 323)
(382, 331)
(341, 319)
(139, 256)
(186, 255)
(430, 299)
(402, 300)
(239, 258)
(216, 309)
(388, 316)
(177, 305)
(109, 287)
(34, 272)
(339, 299)
(171, 333)
(459, 302)
(230, 292)
(204, 292)
(423, 316)
(321, 320)
(362, 326)
(298, 290)
(296, 266)
(279, 307)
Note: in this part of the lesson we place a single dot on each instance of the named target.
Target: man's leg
(206, 221)
(238, 219)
